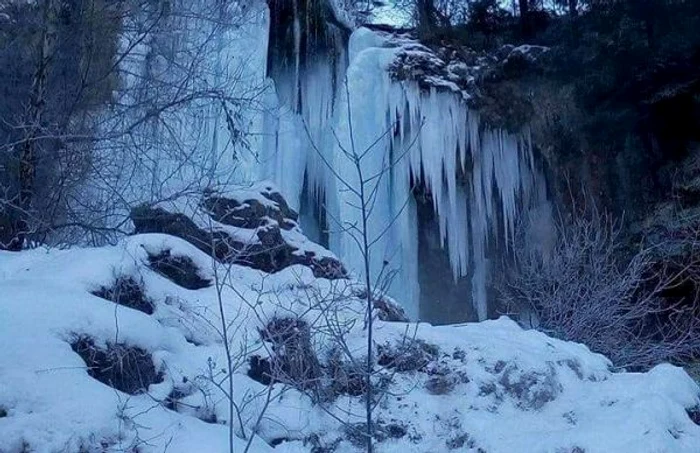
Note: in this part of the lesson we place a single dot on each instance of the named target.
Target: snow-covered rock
(486, 387)
(459, 70)
(252, 226)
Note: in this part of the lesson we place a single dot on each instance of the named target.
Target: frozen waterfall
(186, 113)
(477, 177)
(281, 95)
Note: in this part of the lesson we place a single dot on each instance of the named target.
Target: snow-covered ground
(486, 387)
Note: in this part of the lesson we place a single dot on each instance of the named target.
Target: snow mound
(489, 387)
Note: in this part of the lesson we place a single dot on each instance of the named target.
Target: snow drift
(488, 387)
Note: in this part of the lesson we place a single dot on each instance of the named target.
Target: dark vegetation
(356, 433)
(413, 355)
(293, 358)
(57, 70)
(127, 368)
(180, 269)
(128, 292)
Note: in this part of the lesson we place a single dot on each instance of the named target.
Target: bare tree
(230, 324)
(122, 101)
(364, 188)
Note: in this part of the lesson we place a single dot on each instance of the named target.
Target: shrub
(294, 359)
(589, 289)
(181, 270)
(127, 292)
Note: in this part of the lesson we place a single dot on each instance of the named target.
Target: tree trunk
(427, 22)
(32, 125)
(573, 8)
(524, 7)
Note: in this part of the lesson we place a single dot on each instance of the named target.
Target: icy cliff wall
(186, 114)
(411, 134)
(475, 176)
(307, 60)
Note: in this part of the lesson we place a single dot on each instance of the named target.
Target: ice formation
(477, 177)
(293, 127)
(307, 63)
(186, 112)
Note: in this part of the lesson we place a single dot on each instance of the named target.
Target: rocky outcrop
(254, 228)
(460, 70)
(251, 212)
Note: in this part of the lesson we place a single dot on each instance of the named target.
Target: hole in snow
(126, 368)
(694, 414)
(179, 269)
(127, 292)
(260, 370)
(172, 401)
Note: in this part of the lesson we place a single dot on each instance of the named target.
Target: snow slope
(489, 387)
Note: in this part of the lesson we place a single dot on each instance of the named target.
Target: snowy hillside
(149, 373)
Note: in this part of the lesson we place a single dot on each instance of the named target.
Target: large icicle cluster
(408, 135)
(307, 61)
(475, 175)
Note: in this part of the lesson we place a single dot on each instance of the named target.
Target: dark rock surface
(460, 70)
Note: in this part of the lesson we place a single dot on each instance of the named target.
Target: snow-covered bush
(126, 291)
(179, 269)
(588, 288)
